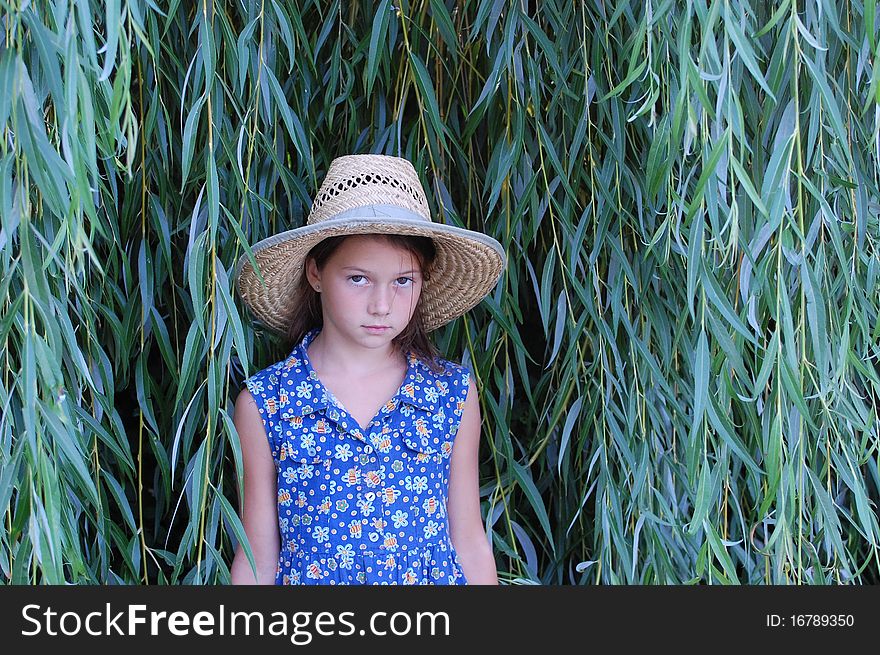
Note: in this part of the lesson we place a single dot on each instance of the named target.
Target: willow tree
(678, 371)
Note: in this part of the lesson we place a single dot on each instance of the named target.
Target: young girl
(361, 447)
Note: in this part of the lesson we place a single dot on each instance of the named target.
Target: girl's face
(369, 289)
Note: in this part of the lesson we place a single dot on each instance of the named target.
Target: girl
(361, 447)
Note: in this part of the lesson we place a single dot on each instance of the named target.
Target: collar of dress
(315, 396)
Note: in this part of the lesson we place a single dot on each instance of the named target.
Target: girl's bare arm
(259, 509)
(465, 524)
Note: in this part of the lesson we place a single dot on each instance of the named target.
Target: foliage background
(679, 370)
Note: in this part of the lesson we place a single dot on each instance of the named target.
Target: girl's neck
(339, 357)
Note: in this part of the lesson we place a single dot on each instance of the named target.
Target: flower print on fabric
(362, 506)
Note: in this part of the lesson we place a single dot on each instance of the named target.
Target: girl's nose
(380, 301)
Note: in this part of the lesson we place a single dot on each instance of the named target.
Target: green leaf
(721, 553)
(722, 304)
(428, 97)
(708, 171)
(230, 516)
(189, 130)
(718, 419)
(377, 36)
(573, 413)
(746, 182)
(291, 121)
(829, 103)
(828, 513)
(523, 477)
(744, 50)
(701, 376)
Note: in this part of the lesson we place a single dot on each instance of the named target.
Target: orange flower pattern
(362, 506)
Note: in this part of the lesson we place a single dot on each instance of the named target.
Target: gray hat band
(377, 211)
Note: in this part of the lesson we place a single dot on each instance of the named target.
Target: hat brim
(466, 268)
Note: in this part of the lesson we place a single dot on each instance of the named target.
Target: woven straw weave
(358, 180)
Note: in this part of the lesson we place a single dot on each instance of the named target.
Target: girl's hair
(414, 337)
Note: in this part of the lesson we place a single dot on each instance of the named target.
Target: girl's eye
(357, 280)
(404, 281)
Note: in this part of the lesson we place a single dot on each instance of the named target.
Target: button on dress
(362, 506)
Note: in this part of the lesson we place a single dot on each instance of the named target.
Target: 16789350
(809, 621)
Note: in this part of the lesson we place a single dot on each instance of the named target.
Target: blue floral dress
(362, 506)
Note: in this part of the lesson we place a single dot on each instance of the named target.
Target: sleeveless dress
(362, 506)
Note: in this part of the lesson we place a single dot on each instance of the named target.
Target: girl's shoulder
(442, 370)
(266, 380)
(441, 387)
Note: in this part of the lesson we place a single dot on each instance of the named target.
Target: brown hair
(414, 337)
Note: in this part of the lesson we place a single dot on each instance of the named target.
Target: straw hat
(365, 194)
